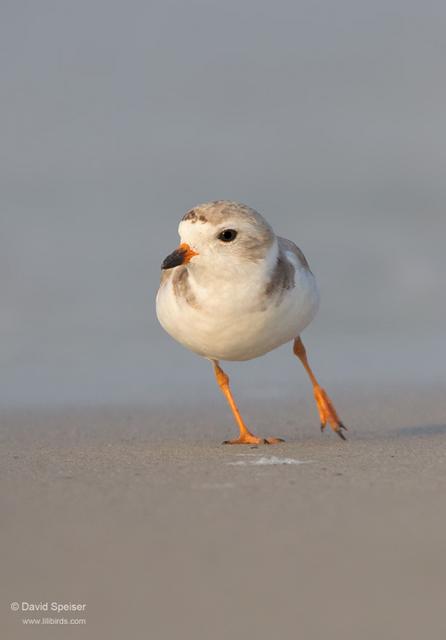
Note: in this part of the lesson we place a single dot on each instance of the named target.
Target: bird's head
(221, 236)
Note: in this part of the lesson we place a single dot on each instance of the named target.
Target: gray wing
(288, 245)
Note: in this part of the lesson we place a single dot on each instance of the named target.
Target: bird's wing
(287, 246)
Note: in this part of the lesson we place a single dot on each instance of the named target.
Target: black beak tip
(173, 260)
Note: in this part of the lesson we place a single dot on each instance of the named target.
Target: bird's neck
(229, 274)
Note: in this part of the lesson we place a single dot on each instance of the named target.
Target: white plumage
(233, 317)
(233, 290)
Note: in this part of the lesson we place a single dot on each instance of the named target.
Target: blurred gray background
(117, 117)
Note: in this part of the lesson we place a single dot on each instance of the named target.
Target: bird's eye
(228, 235)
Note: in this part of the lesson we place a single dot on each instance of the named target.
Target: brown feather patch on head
(217, 210)
(192, 216)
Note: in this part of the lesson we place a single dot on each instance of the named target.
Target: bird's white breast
(232, 318)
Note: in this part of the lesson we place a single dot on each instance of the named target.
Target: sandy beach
(164, 533)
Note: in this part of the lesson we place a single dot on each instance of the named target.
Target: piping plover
(233, 290)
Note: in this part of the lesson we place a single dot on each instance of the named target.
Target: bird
(233, 290)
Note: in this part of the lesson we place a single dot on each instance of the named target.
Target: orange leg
(245, 437)
(327, 412)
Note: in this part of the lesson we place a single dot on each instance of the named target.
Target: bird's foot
(249, 438)
(327, 412)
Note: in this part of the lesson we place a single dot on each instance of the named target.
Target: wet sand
(164, 533)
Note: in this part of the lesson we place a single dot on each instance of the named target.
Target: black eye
(228, 235)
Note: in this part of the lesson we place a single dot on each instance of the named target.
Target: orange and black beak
(182, 255)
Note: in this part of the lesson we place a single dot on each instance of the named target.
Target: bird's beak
(181, 255)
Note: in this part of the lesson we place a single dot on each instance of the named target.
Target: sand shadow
(422, 430)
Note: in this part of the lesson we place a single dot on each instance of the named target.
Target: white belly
(227, 329)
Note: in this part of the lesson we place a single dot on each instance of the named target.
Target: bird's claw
(327, 412)
(337, 428)
(273, 440)
(341, 426)
(253, 440)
